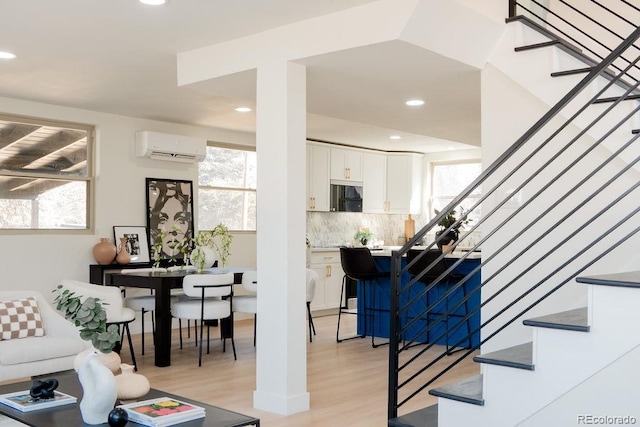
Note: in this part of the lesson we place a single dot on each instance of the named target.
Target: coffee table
(69, 415)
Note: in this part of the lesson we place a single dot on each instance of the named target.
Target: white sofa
(53, 352)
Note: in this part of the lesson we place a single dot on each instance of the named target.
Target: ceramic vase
(131, 386)
(123, 257)
(206, 257)
(104, 251)
(99, 392)
(111, 360)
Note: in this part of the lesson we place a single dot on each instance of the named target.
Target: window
(227, 189)
(45, 174)
(450, 179)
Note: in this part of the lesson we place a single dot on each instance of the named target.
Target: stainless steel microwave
(346, 198)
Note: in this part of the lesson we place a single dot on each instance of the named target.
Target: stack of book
(162, 411)
(22, 401)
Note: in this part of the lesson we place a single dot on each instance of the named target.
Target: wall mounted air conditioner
(175, 148)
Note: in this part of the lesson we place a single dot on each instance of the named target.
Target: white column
(281, 371)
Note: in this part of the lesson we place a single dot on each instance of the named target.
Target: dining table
(161, 283)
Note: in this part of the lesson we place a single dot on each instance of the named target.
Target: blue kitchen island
(376, 301)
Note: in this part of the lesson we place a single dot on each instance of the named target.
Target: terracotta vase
(104, 251)
(124, 257)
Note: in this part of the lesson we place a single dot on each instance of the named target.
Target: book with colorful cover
(22, 401)
(162, 411)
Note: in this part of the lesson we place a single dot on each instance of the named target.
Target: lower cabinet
(327, 265)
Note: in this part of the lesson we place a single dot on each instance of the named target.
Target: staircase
(554, 206)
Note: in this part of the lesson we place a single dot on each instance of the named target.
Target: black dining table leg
(163, 326)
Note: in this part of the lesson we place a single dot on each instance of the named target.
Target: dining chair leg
(201, 328)
(208, 338)
(233, 345)
(180, 331)
(255, 324)
(133, 355)
(312, 328)
(142, 320)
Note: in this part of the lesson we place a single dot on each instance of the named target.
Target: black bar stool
(358, 265)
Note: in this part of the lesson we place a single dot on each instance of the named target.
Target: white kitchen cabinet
(404, 183)
(318, 158)
(327, 264)
(374, 183)
(346, 164)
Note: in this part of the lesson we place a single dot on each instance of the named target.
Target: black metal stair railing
(579, 166)
(589, 25)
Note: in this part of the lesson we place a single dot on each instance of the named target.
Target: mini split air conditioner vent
(174, 148)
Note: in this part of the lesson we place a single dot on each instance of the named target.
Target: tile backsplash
(339, 228)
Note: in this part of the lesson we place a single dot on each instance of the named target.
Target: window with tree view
(45, 175)
(450, 179)
(227, 189)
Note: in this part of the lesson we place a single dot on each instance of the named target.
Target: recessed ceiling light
(415, 102)
(243, 109)
(395, 137)
(153, 2)
(7, 55)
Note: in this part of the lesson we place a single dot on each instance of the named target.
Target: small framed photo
(137, 241)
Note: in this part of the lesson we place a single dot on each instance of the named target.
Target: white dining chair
(206, 302)
(111, 297)
(248, 303)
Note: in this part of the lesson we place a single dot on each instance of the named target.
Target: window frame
(435, 164)
(89, 179)
(238, 147)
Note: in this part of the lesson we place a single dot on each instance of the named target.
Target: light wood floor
(347, 381)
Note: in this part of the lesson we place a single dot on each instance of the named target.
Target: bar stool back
(358, 265)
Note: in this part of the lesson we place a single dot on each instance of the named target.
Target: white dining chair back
(250, 281)
(191, 282)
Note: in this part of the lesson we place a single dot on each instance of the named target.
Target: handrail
(544, 144)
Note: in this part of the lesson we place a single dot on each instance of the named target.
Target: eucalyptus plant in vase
(90, 317)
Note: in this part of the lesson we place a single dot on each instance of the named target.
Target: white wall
(507, 111)
(39, 260)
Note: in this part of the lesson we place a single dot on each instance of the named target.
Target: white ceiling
(119, 56)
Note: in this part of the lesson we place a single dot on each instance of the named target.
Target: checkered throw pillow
(20, 319)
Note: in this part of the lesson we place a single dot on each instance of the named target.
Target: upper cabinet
(391, 183)
(374, 183)
(346, 164)
(404, 183)
(318, 160)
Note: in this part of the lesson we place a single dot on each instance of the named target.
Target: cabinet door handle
(329, 270)
(348, 173)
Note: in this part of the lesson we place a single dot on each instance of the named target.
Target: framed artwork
(137, 241)
(169, 219)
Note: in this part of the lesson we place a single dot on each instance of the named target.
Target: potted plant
(90, 316)
(450, 220)
(219, 240)
(363, 236)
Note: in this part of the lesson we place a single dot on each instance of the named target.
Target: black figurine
(43, 389)
(118, 417)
